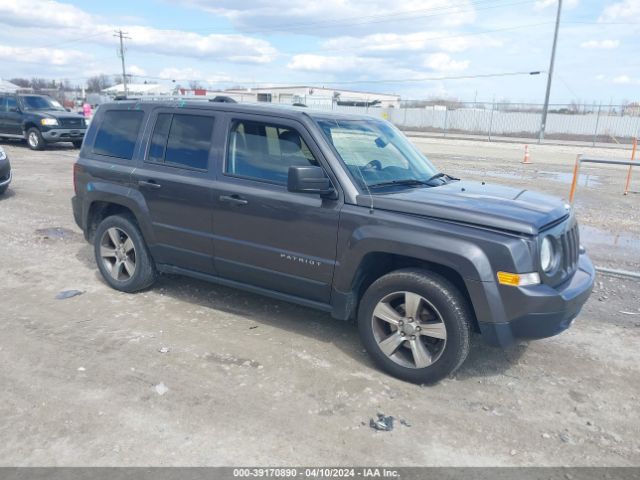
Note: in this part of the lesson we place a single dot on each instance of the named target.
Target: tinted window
(12, 104)
(118, 133)
(3, 104)
(189, 141)
(265, 151)
(159, 138)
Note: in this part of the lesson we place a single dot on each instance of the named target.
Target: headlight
(547, 255)
(49, 122)
(3, 155)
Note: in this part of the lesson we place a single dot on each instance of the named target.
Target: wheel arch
(378, 263)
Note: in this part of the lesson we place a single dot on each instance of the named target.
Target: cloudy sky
(417, 48)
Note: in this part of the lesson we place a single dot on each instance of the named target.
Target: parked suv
(335, 212)
(39, 120)
(5, 171)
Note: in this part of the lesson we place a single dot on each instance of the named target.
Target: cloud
(543, 4)
(136, 70)
(393, 43)
(602, 44)
(441, 62)
(58, 16)
(45, 56)
(625, 11)
(625, 80)
(329, 64)
(332, 17)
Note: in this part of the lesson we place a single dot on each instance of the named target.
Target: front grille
(570, 241)
(71, 122)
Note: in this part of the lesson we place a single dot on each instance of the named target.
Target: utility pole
(122, 36)
(543, 122)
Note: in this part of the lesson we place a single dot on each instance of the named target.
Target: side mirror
(310, 179)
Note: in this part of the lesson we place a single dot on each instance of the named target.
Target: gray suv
(335, 212)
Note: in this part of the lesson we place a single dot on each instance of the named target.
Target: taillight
(76, 170)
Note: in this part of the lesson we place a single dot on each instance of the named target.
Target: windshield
(378, 155)
(35, 102)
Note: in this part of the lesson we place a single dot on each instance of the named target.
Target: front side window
(265, 152)
(182, 140)
(118, 133)
(377, 154)
(12, 104)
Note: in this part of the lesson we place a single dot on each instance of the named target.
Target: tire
(114, 254)
(34, 139)
(77, 144)
(3, 189)
(439, 323)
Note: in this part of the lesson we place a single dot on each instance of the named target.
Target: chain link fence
(572, 123)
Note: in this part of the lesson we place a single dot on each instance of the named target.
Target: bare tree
(21, 82)
(98, 83)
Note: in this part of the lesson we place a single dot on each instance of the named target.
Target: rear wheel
(34, 139)
(3, 189)
(122, 255)
(415, 325)
(77, 143)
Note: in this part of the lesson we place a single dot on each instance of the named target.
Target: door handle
(149, 184)
(233, 199)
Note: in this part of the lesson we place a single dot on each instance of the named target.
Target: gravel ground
(189, 373)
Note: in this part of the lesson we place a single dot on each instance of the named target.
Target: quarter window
(118, 133)
(265, 151)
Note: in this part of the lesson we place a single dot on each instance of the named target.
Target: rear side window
(118, 133)
(182, 139)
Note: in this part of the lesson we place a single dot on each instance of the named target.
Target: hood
(495, 206)
(55, 113)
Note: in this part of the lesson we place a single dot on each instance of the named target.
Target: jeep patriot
(335, 212)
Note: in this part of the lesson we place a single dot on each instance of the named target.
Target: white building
(140, 90)
(322, 97)
(8, 87)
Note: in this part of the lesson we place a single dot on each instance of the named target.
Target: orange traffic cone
(526, 155)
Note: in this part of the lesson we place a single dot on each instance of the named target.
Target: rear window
(182, 140)
(118, 133)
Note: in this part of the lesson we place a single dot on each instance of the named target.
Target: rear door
(13, 118)
(3, 112)
(175, 177)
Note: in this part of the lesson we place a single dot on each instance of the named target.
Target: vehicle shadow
(9, 193)
(483, 360)
(50, 146)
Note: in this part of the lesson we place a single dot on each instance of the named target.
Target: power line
(346, 22)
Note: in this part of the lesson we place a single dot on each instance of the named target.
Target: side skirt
(325, 307)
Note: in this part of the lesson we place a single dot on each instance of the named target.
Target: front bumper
(543, 311)
(63, 134)
(5, 179)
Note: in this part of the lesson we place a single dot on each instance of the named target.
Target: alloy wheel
(409, 330)
(118, 254)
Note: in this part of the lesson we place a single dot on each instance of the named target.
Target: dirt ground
(189, 373)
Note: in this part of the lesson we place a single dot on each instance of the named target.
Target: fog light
(518, 279)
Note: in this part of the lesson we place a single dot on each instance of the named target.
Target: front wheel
(415, 325)
(35, 140)
(77, 143)
(122, 255)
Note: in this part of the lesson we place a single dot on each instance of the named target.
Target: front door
(13, 117)
(265, 235)
(176, 178)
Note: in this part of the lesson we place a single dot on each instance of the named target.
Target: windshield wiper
(406, 181)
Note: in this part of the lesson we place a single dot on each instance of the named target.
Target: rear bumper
(63, 134)
(545, 311)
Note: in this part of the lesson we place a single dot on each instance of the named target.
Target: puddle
(591, 236)
(57, 233)
(584, 179)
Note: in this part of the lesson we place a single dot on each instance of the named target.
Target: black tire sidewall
(445, 297)
(41, 142)
(145, 272)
